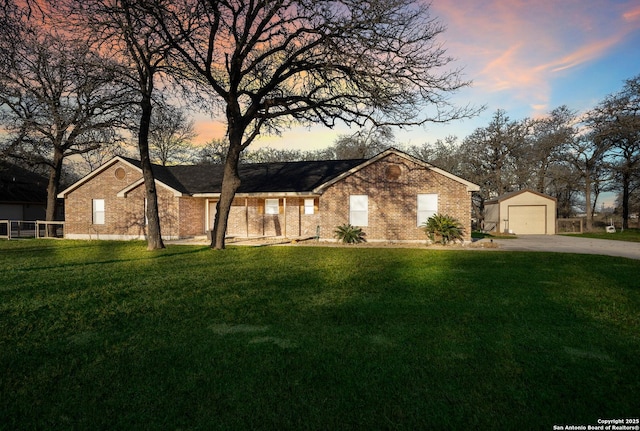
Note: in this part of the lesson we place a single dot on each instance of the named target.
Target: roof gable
(510, 195)
(93, 174)
(471, 187)
(161, 177)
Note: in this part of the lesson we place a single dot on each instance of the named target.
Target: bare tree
(363, 144)
(634, 199)
(57, 99)
(269, 155)
(490, 158)
(170, 135)
(93, 159)
(443, 153)
(616, 123)
(273, 63)
(548, 137)
(586, 154)
(120, 28)
(564, 182)
(213, 152)
(492, 154)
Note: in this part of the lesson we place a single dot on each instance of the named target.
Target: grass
(105, 335)
(632, 235)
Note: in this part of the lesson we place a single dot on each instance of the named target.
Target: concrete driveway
(570, 244)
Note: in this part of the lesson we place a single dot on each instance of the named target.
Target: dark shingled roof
(256, 177)
(20, 185)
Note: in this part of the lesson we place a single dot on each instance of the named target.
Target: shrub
(350, 234)
(443, 229)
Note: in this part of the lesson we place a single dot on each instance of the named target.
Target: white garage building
(524, 212)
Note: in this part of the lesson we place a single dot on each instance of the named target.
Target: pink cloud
(583, 54)
(632, 15)
(517, 48)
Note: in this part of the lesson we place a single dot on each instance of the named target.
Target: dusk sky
(526, 57)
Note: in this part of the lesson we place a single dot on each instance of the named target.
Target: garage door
(528, 219)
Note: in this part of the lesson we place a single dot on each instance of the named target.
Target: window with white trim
(427, 207)
(271, 206)
(309, 205)
(98, 211)
(359, 210)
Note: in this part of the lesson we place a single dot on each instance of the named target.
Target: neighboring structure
(389, 196)
(524, 212)
(23, 194)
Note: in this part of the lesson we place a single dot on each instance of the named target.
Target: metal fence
(569, 225)
(14, 229)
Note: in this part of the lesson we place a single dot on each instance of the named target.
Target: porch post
(206, 215)
(284, 205)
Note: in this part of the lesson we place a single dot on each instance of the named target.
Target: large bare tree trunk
(626, 181)
(154, 235)
(55, 173)
(587, 200)
(230, 183)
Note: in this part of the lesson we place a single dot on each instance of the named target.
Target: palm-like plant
(443, 229)
(350, 234)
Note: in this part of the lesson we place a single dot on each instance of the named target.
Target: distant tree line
(572, 157)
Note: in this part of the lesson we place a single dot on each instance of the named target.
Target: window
(309, 206)
(271, 206)
(98, 211)
(359, 210)
(427, 206)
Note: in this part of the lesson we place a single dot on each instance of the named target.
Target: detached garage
(524, 212)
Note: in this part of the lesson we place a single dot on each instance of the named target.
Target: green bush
(443, 229)
(350, 234)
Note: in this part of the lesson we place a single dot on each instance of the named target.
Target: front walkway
(548, 243)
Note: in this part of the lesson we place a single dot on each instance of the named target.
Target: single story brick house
(389, 196)
(523, 212)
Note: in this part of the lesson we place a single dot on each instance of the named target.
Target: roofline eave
(140, 182)
(259, 194)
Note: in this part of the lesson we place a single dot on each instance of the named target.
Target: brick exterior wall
(191, 221)
(392, 185)
(124, 216)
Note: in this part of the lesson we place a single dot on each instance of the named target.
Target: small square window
(271, 206)
(309, 206)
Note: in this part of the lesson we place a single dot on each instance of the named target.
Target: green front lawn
(632, 235)
(107, 336)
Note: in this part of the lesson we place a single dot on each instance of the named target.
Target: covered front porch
(267, 216)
